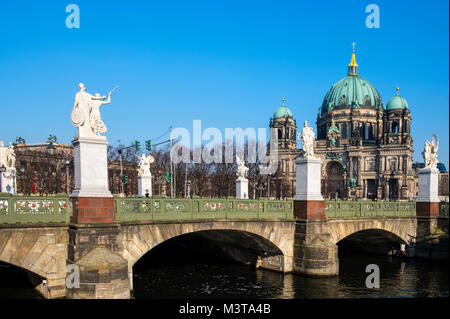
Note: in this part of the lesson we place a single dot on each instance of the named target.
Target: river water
(199, 278)
(398, 278)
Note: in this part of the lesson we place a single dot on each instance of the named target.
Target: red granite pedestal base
(427, 209)
(93, 210)
(309, 209)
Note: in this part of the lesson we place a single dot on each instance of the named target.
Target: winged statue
(430, 152)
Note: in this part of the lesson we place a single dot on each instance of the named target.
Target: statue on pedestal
(7, 156)
(430, 153)
(144, 164)
(242, 169)
(308, 137)
(86, 112)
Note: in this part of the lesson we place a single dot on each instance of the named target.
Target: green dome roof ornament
(396, 102)
(282, 112)
(353, 66)
(352, 92)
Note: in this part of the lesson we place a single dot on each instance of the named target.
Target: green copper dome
(282, 111)
(397, 103)
(352, 91)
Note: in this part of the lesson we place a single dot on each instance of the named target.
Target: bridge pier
(95, 243)
(429, 243)
(314, 253)
(97, 250)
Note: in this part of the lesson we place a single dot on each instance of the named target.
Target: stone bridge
(40, 236)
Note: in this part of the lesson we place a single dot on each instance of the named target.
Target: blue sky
(227, 63)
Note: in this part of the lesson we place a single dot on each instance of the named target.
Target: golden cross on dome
(353, 47)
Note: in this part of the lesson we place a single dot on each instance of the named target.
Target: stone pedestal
(91, 167)
(8, 181)
(145, 185)
(92, 201)
(242, 188)
(308, 200)
(427, 203)
(308, 179)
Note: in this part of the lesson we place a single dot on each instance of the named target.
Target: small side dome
(282, 112)
(397, 103)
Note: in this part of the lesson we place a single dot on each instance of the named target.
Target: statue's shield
(77, 116)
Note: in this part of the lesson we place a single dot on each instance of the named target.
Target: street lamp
(67, 162)
(189, 188)
(51, 148)
(22, 170)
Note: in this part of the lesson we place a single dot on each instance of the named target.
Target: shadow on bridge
(18, 283)
(376, 241)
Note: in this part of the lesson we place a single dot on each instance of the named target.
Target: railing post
(12, 207)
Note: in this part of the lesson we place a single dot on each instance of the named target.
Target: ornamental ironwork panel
(4, 206)
(34, 207)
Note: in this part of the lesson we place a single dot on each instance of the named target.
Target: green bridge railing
(129, 209)
(34, 209)
(342, 209)
(55, 209)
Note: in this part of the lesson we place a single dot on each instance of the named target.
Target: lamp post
(67, 163)
(22, 170)
(260, 188)
(188, 188)
(51, 148)
(2, 171)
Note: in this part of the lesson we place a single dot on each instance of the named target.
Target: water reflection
(398, 278)
(221, 279)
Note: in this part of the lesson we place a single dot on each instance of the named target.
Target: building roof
(352, 91)
(396, 102)
(282, 112)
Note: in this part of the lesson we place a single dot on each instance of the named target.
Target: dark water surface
(398, 278)
(220, 279)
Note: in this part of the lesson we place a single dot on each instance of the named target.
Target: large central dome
(352, 91)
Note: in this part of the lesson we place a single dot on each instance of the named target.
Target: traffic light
(148, 145)
(125, 179)
(167, 176)
(137, 145)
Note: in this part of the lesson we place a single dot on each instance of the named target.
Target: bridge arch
(274, 237)
(403, 228)
(40, 251)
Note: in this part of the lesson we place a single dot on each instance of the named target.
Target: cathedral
(365, 147)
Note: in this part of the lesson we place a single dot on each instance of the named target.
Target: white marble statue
(86, 112)
(430, 153)
(7, 156)
(308, 137)
(97, 124)
(242, 169)
(144, 164)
